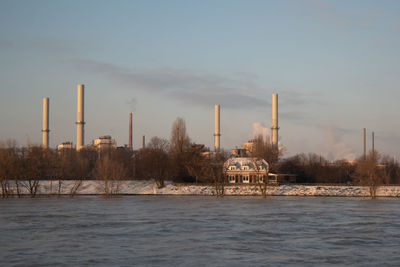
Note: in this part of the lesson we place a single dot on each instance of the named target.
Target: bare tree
(216, 171)
(8, 166)
(36, 163)
(265, 150)
(180, 141)
(391, 170)
(155, 161)
(80, 173)
(369, 173)
(261, 179)
(111, 172)
(195, 163)
(179, 144)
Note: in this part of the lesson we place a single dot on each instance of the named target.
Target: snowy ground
(93, 187)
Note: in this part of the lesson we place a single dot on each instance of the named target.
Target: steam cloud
(259, 129)
(333, 148)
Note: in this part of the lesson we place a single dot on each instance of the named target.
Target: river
(199, 231)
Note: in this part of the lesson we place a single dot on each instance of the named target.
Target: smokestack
(130, 131)
(80, 119)
(144, 142)
(217, 134)
(365, 143)
(373, 142)
(275, 127)
(45, 126)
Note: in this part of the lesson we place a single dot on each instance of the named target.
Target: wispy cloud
(186, 86)
(295, 98)
(329, 13)
(227, 100)
(57, 46)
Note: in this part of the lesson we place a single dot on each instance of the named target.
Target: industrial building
(104, 142)
(66, 145)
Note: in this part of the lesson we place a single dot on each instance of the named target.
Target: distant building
(246, 170)
(66, 145)
(239, 152)
(246, 150)
(250, 146)
(104, 142)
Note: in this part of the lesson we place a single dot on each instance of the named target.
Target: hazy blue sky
(334, 64)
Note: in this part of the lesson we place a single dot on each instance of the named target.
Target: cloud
(294, 98)
(186, 86)
(227, 100)
(329, 13)
(333, 148)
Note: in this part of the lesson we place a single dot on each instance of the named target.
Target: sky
(334, 65)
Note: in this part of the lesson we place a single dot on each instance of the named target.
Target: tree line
(177, 159)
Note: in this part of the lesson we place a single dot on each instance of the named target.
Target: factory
(65, 146)
(104, 143)
(107, 142)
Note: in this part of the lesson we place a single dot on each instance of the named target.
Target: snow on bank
(93, 187)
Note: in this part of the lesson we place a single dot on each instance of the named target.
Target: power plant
(217, 134)
(80, 124)
(45, 128)
(80, 121)
(275, 127)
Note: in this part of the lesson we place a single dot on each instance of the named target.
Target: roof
(254, 164)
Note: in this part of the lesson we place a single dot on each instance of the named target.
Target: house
(246, 170)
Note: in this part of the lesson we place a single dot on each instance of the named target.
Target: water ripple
(201, 231)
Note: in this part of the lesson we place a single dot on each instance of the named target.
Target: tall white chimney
(45, 126)
(217, 133)
(275, 127)
(80, 119)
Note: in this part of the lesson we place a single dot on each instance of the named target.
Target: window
(245, 167)
(246, 179)
(232, 168)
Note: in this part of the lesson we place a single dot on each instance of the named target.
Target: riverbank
(93, 187)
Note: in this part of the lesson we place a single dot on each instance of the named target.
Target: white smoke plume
(333, 147)
(260, 129)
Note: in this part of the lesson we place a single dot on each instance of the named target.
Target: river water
(199, 231)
